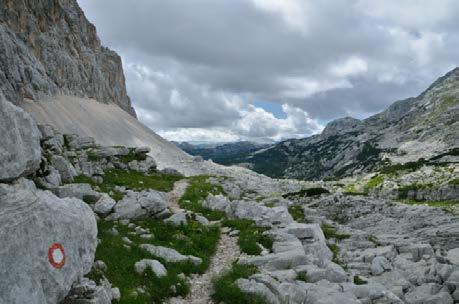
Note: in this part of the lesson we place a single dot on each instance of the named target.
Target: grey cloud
(212, 51)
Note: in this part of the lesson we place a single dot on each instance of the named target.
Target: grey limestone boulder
(259, 289)
(48, 243)
(140, 204)
(379, 265)
(169, 254)
(177, 219)
(331, 272)
(329, 293)
(104, 205)
(65, 168)
(80, 191)
(20, 152)
(86, 291)
(158, 269)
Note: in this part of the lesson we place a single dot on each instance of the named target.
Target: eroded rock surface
(20, 143)
(47, 243)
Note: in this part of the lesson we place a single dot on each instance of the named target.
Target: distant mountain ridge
(408, 130)
(223, 153)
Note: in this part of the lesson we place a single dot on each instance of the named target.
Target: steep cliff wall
(48, 47)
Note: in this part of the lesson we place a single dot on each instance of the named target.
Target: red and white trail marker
(56, 255)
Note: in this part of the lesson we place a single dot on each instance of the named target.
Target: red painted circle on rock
(56, 255)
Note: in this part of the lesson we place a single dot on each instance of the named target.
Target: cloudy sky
(227, 70)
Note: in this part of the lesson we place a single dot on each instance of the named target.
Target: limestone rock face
(49, 47)
(20, 152)
(47, 243)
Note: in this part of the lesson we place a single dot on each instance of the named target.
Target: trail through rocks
(227, 252)
(201, 285)
(177, 192)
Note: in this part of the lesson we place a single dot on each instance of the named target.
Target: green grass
(454, 182)
(408, 166)
(132, 180)
(374, 182)
(403, 191)
(131, 156)
(331, 233)
(359, 281)
(196, 192)
(192, 239)
(373, 239)
(137, 181)
(449, 206)
(336, 259)
(302, 276)
(445, 103)
(93, 156)
(249, 235)
(306, 192)
(297, 213)
(226, 291)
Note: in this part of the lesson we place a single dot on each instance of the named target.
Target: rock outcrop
(20, 144)
(47, 243)
(49, 48)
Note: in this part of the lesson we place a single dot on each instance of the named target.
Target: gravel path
(176, 193)
(227, 252)
(201, 285)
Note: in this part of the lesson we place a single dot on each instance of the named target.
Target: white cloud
(352, 66)
(255, 124)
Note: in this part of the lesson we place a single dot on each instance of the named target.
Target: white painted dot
(58, 255)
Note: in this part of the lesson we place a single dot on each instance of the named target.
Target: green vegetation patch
(226, 291)
(374, 240)
(336, 259)
(249, 235)
(374, 182)
(192, 239)
(408, 166)
(302, 276)
(199, 188)
(403, 191)
(331, 233)
(132, 180)
(306, 192)
(131, 156)
(297, 213)
(449, 206)
(359, 281)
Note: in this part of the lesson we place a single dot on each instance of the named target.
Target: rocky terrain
(164, 238)
(415, 128)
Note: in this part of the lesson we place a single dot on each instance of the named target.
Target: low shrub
(226, 291)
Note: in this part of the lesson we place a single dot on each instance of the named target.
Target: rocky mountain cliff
(422, 127)
(48, 47)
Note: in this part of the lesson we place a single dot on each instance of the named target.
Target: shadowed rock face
(49, 47)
